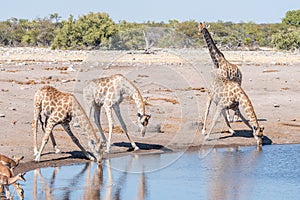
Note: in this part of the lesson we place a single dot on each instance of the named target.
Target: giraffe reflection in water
(224, 184)
(88, 183)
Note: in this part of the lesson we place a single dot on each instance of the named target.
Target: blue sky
(258, 11)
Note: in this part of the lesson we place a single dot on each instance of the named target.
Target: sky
(257, 11)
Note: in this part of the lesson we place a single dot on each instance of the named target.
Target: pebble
(2, 115)
(24, 88)
(71, 69)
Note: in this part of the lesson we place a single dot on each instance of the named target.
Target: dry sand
(173, 83)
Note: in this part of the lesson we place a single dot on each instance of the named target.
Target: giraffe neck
(215, 54)
(132, 91)
(83, 120)
(249, 110)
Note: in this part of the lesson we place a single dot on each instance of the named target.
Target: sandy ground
(173, 82)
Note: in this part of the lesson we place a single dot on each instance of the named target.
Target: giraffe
(228, 95)
(108, 92)
(223, 68)
(59, 108)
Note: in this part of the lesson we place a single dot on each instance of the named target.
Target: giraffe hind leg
(51, 134)
(227, 121)
(236, 117)
(57, 150)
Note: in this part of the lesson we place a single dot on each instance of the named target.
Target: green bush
(91, 30)
(286, 40)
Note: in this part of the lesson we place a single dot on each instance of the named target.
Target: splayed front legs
(108, 111)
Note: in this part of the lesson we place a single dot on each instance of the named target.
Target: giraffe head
(143, 122)
(201, 27)
(97, 149)
(258, 134)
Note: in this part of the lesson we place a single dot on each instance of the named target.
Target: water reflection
(87, 183)
(227, 173)
(228, 165)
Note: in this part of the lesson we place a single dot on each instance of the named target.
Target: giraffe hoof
(136, 148)
(37, 158)
(107, 151)
(203, 132)
(57, 151)
(35, 152)
(206, 138)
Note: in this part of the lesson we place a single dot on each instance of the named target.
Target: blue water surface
(217, 173)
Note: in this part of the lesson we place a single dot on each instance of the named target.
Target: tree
(292, 18)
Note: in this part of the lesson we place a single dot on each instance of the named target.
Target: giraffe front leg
(118, 113)
(67, 128)
(110, 127)
(97, 115)
(214, 121)
(208, 104)
(36, 116)
(48, 131)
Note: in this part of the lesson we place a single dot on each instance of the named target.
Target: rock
(2, 115)
(276, 105)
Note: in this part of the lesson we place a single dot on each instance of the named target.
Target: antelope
(10, 163)
(7, 178)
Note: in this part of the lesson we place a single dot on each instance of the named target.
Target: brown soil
(173, 84)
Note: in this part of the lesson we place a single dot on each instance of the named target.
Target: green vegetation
(98, 31)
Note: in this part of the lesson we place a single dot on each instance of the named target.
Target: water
(226, 173)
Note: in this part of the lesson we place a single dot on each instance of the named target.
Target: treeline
(99, 31)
